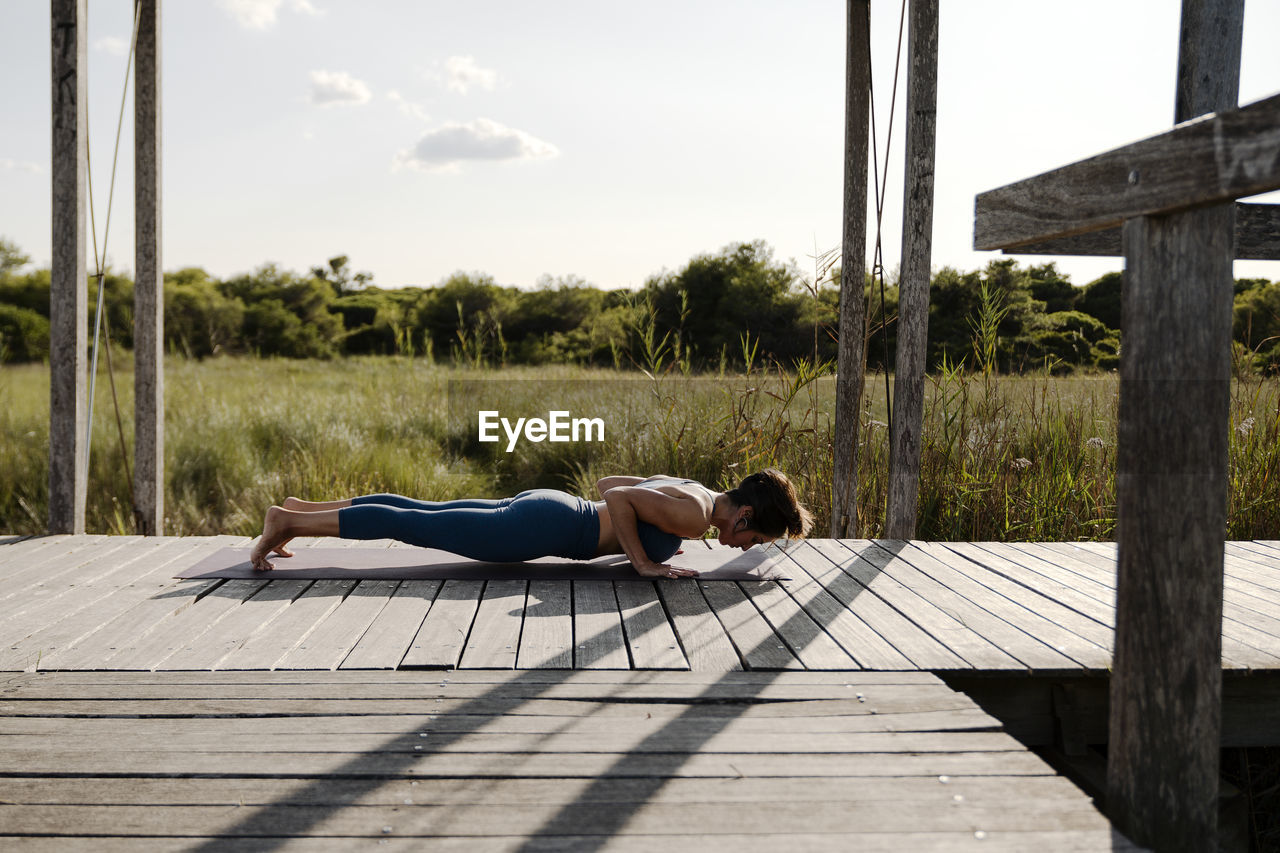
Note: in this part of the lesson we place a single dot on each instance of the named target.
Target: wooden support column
(913, 292)
(69, 290)
(148, 292)
(851, 357)
(1171, 483)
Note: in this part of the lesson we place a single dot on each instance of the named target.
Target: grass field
(1003, 458)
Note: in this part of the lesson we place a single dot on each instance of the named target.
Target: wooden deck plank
(702, 637)
(494, 641)
(61, 559)
(752, 635)
(1018, 567)
(1080, 637)
(447, 688)
(335, 637)
(1087, 576)
(89, 608)
(110, 679)
(1076, 841)
(1015, 762)
(1082, 590)
(1245, 583)
(239, 624)
(651, 641)
(60, 602)
(484, 687)
(598, 639)
(237, 728)
(176, 628)
(517, 792)
(1270, 549)
(24, 548)
(277, 638)
(128, 627)
(1019, 632)
(1252, 568)
(546, 641)
(860, 623)
(1253, 593)
(32, 600)
(869, 565)
(385, 642)
(628, 740)
(647, 820)
(807, 640)
(1250, 638)
(657, 708)
(443, 633)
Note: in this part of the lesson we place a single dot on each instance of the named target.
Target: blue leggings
(536, 523)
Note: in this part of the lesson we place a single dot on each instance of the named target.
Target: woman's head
(770, 506)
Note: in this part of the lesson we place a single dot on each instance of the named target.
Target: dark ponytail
(776, 511)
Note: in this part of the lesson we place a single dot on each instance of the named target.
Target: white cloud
(461, 73)
(337, 87)
(407, 107)
(481, 139)
(27, 166)
(261, 14)
(112, 45)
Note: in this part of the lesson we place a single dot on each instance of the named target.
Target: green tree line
(717, 311)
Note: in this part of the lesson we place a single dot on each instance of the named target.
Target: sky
(595, 139)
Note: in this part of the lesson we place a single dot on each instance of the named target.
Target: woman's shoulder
(660, 480)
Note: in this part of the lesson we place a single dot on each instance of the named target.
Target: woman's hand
(661, 570)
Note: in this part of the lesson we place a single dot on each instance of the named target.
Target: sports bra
(658, 544)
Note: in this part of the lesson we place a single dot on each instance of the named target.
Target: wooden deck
(99, 603)
(825, 712)
(523, 761)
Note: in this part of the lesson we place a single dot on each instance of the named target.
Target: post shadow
(647, 766)
(649, 752)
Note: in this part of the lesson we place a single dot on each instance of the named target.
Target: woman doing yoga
(643, 517)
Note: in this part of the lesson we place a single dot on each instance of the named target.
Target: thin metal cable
(882, 184)
(99, 263)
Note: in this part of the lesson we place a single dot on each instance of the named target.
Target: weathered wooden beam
(1171, 489)
(1171, 469)
(1234, 153)
(1257, 238)
(148, 289)
(851, 356)
(1210, 38)
(913, 292)
(69, 289)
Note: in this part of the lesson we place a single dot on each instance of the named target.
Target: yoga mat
(713, 564)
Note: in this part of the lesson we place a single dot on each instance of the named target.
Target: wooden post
(913, 293)
(69, 290)
(148, 292)
(1171, 483)
(1209, 43)
(851, 357)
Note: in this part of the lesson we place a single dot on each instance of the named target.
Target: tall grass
(1002, 458)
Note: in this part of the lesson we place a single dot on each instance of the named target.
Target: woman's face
(740, 535)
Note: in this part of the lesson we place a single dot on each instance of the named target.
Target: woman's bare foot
(274, 536)
(282, 524)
